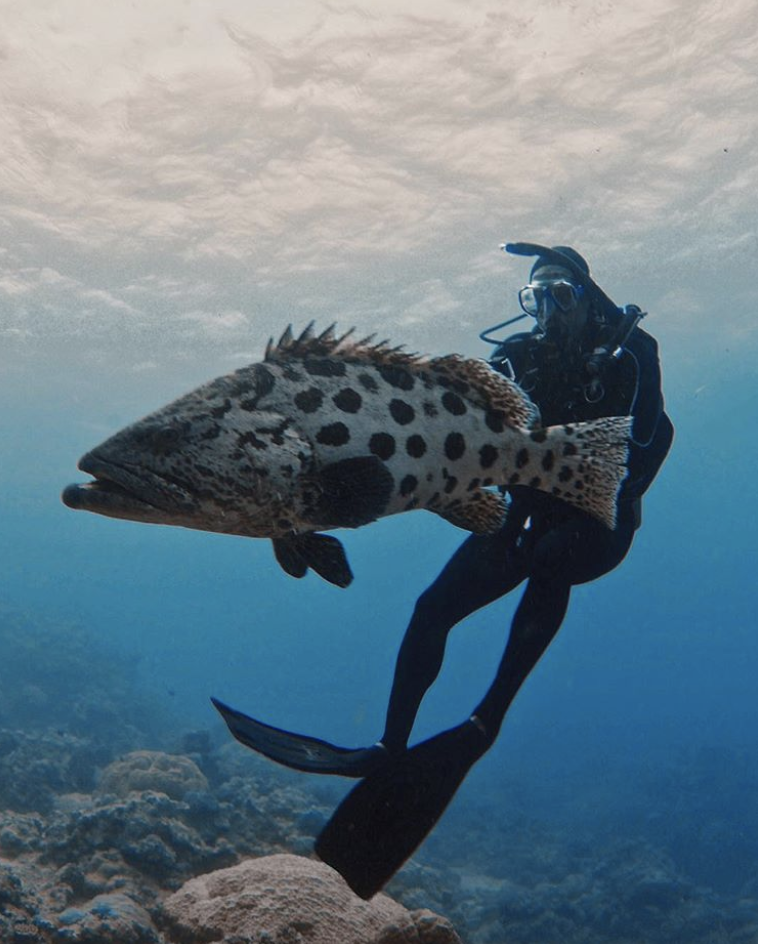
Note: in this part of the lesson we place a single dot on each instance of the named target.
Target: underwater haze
(179, 182)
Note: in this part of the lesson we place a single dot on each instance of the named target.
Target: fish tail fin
(582, 463)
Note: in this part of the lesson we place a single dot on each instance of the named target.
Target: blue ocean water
(364, 168)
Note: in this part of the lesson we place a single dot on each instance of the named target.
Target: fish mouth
(120, 491)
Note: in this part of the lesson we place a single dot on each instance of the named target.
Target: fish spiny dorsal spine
(326, 344)
(470, 378)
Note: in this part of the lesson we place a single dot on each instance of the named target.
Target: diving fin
(385, 817)
(321, 552)
(298, 751)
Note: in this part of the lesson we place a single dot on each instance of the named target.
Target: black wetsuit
(545, 541)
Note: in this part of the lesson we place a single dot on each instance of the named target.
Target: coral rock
(172, 774)
(285, 898)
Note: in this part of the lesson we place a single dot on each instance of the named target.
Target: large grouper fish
(332, 432)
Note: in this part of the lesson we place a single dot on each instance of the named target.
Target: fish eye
(165, 438)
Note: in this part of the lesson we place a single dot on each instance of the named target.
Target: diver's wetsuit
(545, 541)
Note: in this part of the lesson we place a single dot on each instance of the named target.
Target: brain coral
(286, 898)
(172, 774)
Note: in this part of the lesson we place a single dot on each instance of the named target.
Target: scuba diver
(584, 358)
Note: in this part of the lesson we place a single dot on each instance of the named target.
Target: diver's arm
(652, 432)
(647, 405)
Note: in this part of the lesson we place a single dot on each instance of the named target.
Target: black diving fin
(385, 817)
(298, 751)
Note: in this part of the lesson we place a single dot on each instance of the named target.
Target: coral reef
(172, 774)
(285, 898)
(116, 829)
(102, 865)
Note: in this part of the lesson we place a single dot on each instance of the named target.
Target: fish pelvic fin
(583, 464)
(321, 553)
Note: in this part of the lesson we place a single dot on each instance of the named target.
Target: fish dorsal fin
(475, 381)
(344, 346)
(472, 379)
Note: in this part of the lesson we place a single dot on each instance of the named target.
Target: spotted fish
(330, 432)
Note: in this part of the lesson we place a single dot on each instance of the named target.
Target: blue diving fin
(299, 751)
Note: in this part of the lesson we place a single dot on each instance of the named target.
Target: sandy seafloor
(106, 799)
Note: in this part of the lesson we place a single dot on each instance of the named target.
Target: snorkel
(622, 321)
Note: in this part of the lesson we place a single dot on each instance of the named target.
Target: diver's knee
(430, 615)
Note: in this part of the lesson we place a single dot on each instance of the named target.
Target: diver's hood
(609, 308)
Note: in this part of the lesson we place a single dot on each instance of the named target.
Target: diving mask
(561, 293)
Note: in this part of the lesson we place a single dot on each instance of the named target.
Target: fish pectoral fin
(288, 557)
(319, 552)
(479, 511)
(352, 492)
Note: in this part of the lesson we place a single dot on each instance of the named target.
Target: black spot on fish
(275, 432)
(241, 386)
(579, 485)
(250, 439)
(368, 382)
(401, 412)
(264, 380)
(565, 475)
(425, 379)
(535, 482)
(522, 458)
(429, 476)
(434, 500)
(474, 483)
(382, 445)
(569, 449)
(488, 481)
(538, 436)
(415, 446)
(453, 403)
(430, 409)
(397, 376)
(548, 460)
(249, 404)
(213, 433)
(309, 400)
(408, 484)
(290, 373)
(347, 400)
(568, 430)
(455, 446)
(219, 411)
(450, 485)
(514, 479)
(413, 503)
(333, 434)
(487, 456)
(353, 491)
(495, 420)
(324, 367)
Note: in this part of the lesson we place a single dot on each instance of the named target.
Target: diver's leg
(483, 569)
(576, 551)
(383, 820)
(535, 625)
